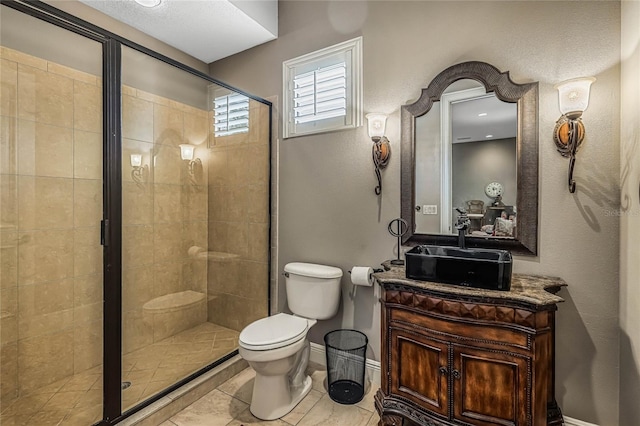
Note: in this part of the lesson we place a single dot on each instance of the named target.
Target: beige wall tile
(215, 202)
(45, 202)
(258, 203)
(169, 166)
(87, 104)
(87, 346)
(137, 119)
(167, 203)
(167, 243)
(258, 164)
(136, 332)
(256, 280)
(45, 298)
(229, 237)
(44, 97)
(137, 287)
(194, 234)
(87, 155)
(194, 275)
(45, 359)
(87, 313)
(128, 90)
(167, 278)
(9, 202)
(137, 204)
(8, 373)
(8, 145)
(168, 126)
(194, 203)
(87, 251)
(22, 58)
(235, 312)
(196, 129)
(8, 315)
(258, 241)
(225, 276)
(45, 256)
(8, 259)
(172, 322)
(218, 168)
(151, 97)
(87, 202)
(145, 149)
(44, 150)
(80, 76)
(239, 164)
(137, 246)
(9, 87)
(87, 290)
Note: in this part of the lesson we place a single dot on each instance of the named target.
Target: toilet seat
(273, 332)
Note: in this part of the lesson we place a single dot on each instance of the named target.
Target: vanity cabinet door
(419, 370)
(490, 387)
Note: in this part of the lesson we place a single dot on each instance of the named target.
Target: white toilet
(277, 348)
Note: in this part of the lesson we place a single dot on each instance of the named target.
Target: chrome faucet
(462, 224)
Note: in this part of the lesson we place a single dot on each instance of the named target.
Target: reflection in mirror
(465, 143)
(470, 142)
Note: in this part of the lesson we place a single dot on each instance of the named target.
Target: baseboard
(568, 421)
(318, 355)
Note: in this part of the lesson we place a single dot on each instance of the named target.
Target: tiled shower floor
(77, 400)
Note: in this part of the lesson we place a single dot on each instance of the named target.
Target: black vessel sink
(477, 268)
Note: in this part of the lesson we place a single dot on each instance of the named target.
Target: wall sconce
(573, 96)
(187, 152)
(138, 171)
(381, 150)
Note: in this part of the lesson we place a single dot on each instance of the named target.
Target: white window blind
(320, 94)
(231, 115)
(323, 90)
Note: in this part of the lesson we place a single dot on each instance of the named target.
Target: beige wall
(51, 206)
(630, 216)
(328, 212)
(239, 224)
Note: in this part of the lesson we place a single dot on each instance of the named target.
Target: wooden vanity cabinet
(454, 359)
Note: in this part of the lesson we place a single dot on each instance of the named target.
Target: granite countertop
(532, 289)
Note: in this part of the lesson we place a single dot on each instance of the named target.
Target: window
(231, 115)
(323, 90)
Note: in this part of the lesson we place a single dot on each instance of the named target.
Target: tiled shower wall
(238, 274)
(165, 215)
(51, 206)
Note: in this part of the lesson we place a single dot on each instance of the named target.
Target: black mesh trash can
(346, 359)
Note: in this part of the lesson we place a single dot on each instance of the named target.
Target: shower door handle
(104, 232)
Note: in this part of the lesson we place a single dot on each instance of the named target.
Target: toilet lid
(273, 332)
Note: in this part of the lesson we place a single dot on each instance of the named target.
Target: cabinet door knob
(456, 374)
(443, 371)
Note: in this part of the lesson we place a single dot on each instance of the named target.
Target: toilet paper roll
(362, 275)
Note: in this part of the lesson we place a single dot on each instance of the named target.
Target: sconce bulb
(377, 123)
(136, 160)
(573, 96)
(187, 151)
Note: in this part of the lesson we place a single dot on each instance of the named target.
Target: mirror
(477, 149)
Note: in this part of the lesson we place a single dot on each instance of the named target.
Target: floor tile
(368, 402)
(303, 407)
(246, 419)
(329, 413)
(318, 375)
(240, 386)
(214, 409)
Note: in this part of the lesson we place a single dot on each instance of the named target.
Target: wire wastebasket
(346, 360)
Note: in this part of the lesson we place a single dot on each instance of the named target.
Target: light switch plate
(430, 209)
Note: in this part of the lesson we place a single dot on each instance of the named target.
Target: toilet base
(264, 407)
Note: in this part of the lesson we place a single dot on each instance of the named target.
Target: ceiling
(205, 29)
(483, 118)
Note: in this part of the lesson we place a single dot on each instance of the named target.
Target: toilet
(277, 347)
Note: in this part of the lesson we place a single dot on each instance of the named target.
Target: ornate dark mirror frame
(526, 96)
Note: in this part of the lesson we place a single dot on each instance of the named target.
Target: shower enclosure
(134, 220)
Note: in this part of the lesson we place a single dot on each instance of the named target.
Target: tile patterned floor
(228, 405)
(77, 400)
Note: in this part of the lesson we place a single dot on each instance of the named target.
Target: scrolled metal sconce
(569, 132)
(139, 171)
(187, 152)
(381, 150)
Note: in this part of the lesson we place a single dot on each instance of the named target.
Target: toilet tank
(313, 291)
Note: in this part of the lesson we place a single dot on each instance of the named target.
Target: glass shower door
(51, 207)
